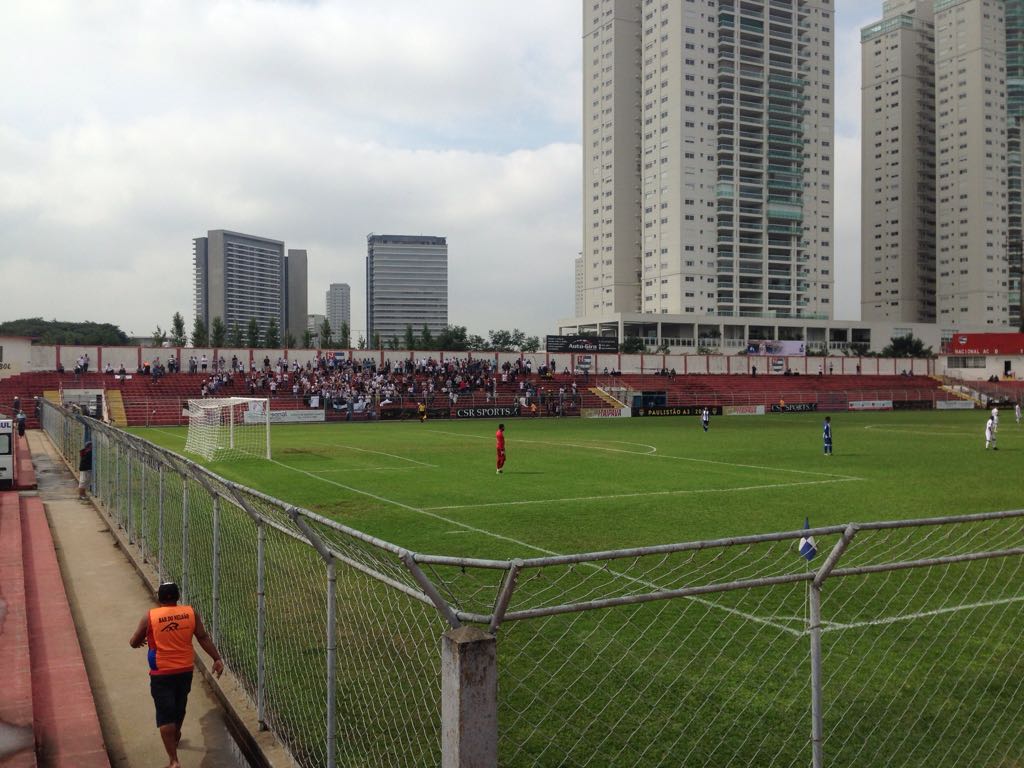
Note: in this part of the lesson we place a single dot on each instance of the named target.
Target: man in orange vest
(168, 631)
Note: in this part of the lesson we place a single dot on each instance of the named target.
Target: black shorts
(170, 694)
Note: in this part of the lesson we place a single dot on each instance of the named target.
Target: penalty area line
(540, 550)
(838, 626)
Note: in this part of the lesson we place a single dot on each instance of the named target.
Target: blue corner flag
(808, 549)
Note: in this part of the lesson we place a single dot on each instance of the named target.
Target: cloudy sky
(128, 127)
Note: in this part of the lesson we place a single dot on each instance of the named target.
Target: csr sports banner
(487, 412)
(794, 407)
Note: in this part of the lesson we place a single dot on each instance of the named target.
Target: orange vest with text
(170, 639)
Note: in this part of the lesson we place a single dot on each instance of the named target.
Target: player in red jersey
(499, 439)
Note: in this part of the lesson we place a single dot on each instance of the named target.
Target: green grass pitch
(582, 485)
(719, 681)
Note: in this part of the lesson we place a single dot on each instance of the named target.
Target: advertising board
(870, 405)
(676, 410)
(605, 413)
(285, 417)
(743, 410)
(581, 344)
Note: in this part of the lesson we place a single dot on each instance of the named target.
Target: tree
(907, 346)
(272, 338)
(253, 333)
(325, 334)
(218, 333)
(501, 341)
(236, 336)
(453, 337)
(307, 339)
(361, 344)
(63, 332)
(426, 338)
(477, 343)
(531, 344)
(632, 345)
(178, 330)
(410, 339)
(200, 336)
(376, 341)
(345, 336)
(289, 340)
(159, 337)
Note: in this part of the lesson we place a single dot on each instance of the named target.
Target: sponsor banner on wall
(954, 405)
(676, 410)
(794, 407)
(398, 414)
(911, 405)
(605, 413)
(487, 412)
(743, 410)
(870, 405)
(784, 348)
(284, 417)
(582, 344)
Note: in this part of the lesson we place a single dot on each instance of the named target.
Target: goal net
(226, 427)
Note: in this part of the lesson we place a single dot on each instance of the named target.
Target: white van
(6, 453)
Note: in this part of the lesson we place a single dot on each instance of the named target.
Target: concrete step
(67, 728)
(17, 742)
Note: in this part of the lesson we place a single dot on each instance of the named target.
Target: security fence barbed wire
(896, 645)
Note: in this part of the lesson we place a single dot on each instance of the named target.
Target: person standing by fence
(168, 631)
(84, 469)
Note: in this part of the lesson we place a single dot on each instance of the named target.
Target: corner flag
(808, 549)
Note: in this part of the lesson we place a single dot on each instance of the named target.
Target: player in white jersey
(990, 434)
(1016, 412)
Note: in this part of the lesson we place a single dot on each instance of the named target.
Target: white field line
(653, 454)
(838, 626)
(365, 469)
(378, 453)
(541, 550)
(687, 492)
(899, 430)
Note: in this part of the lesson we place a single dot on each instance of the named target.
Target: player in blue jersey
(827, 435)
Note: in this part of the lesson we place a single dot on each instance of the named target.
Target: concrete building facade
(296, 294)
(406, 285)
(707, 135)
(339, 307)
(239, 277)
(939, 162)
(898, 164)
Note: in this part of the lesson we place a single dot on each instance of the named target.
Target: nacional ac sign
(582, 344)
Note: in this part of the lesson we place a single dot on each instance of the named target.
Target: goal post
(225, 427)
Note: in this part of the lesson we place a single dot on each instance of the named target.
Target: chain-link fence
(895, 645)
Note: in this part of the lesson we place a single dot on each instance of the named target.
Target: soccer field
(583, 485)
(919, 663)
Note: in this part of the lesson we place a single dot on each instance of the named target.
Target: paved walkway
(108, 598)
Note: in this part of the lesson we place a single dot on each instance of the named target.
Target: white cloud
(133, 127)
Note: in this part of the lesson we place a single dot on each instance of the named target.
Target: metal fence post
(131, 510)
(117, 485)
(160, 523)
(215, 575)
(332, 662)
(143, 508)
(184, 538)
(817, 724)
(261, 624)
(469, 699)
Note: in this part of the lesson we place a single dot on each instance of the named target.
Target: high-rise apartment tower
(708, 157)
(240, 277)
(936, 165)
(406, 285)
(339, 308)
